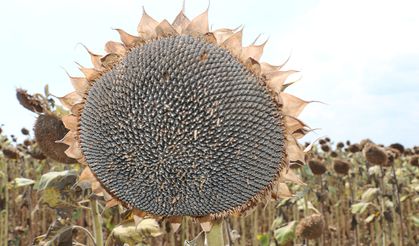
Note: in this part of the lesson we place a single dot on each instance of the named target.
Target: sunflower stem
(215, 235)
(97, 225)
(6, 204)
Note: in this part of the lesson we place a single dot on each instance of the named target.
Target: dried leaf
(285, 234)
(57, 180)
(21, 182)
(370, 194)
(360, 207)
(149, 228)
(127, 233)
(289, 175)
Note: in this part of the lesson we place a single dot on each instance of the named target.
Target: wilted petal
(223, 34)
(146, 28)
(164, 29)
(294, 151)
(253, 66)
(70, 122)
(234, 43)
(91, 74)
(80, 84)
(199, 24)
(292, 105)
(253, 51)
(95, 58)
(115, 48)
(126, 38)
(289, 175)
(70, 99)
(74, 151)
(87, 175)
(280, 190)
(275, 80)
(181, 22)
(69, 138)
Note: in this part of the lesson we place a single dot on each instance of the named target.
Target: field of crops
(351, 194)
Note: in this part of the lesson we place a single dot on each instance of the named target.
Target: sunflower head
(311, 227)
(183, 121)
(375, 154)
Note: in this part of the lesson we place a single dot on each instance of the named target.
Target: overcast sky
(360, 57)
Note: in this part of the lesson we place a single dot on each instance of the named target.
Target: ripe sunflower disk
(181, 121)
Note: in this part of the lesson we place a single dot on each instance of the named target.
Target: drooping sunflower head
(184, 121)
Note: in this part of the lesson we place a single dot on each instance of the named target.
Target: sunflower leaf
(286, 233)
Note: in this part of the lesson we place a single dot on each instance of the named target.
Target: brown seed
(327, 139)
(10, 153)
(316, 167)
(414, 160)
(311, 227)
(341, 166)
(334, 154)
(48, 129)
(416, 149)
(375, 155)
(28, 101)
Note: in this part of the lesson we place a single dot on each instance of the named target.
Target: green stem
(215, 235)
(399, 204)
(97, 225)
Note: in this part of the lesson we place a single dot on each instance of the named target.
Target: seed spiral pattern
(181, 127)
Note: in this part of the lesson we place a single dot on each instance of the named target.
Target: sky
(359, 57)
